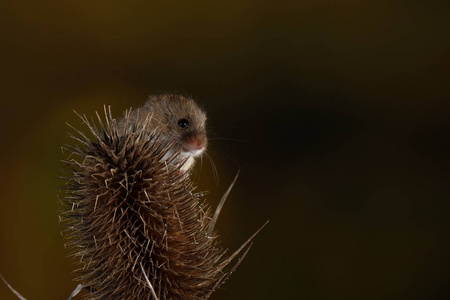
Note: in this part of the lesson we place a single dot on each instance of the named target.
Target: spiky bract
(128, 212)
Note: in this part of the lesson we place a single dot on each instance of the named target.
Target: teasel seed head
(136, 225)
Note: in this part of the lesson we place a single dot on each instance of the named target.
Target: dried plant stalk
(136, 225)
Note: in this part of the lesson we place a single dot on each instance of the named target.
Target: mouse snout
(199, 145)
(195, 145)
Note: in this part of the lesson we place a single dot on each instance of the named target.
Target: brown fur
(164, 111)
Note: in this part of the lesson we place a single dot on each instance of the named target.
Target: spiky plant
(136, 225)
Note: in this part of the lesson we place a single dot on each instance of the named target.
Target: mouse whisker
(228, 139)
(214, 169)
(197, 171)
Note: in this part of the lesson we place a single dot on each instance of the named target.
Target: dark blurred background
(341, 109)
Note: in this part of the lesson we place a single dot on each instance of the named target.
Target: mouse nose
(199, 145)
(196, 144)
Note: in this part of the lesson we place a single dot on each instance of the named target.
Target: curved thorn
(75, 291)
(219, 207)
(228, 274)
(12, 289)
(232, 256)
(148, 282)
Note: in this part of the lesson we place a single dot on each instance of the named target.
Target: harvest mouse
(180, 120)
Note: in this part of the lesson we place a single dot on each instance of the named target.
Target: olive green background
(341, 109)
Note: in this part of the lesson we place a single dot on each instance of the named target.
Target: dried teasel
(137, 226)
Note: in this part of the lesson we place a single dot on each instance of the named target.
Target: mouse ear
(152, 100)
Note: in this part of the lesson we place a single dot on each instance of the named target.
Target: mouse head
(181, 119)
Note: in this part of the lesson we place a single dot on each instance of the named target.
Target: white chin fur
(183, 155)
(191, 154)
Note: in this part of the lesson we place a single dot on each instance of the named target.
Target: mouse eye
(183, 123)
